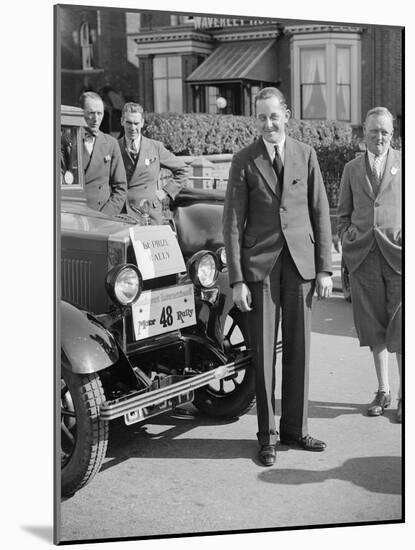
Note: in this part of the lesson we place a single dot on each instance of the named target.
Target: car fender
(86, 346)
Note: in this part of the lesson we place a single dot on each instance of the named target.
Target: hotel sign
(221, 22)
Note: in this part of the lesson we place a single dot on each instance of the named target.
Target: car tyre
(84, 435)
(234, 396)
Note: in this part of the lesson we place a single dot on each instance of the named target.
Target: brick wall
(382, 70)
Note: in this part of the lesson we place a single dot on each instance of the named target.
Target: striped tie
(133, 150)
(376, 174)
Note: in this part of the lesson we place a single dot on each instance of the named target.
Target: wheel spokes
(230, 331)
(66, 413)
(68, 423)
(66, 432)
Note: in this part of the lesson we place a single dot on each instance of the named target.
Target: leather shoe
(399, 412)
(267, 455)
(307, 442)
(381, 402)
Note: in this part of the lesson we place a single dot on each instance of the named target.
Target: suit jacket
(105, 179)
(364, 218)
(142, 176)
(258, 219)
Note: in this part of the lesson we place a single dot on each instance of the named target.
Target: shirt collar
(271, 148)
(88, 135)
(371, 156)
(130, 142)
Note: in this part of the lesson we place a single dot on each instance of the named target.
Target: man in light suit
(369, 226)
(277, 237)
(143, 158)
(105, 179)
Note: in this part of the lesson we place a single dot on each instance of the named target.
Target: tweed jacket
(143, 176)
(105, 179)
(259, 218)
(364, 218)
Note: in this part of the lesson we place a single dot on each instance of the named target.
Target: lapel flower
(394, 170)
(107, 158)
(147, 162)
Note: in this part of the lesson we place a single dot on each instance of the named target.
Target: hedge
(203, 134)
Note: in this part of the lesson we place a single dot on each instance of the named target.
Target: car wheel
(345, 282)
(84, 436)
(233, 396)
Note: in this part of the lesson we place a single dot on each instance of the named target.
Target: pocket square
(296, 180)
(107, 158)
(149, 161)
(394, 170)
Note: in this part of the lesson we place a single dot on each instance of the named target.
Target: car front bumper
(167, 393)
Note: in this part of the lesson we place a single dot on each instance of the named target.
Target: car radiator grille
(76, 282)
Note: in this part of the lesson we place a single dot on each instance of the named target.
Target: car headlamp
(203, 268)
(221, 254)
(124, 284)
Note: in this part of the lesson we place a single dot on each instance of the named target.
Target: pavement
(185, 473)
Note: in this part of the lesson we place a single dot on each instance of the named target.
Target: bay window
(326, 79)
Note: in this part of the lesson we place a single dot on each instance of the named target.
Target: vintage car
(146, 317)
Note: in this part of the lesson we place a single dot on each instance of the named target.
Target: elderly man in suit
(105, 178)
(143, 158)
(369, 226)
(277, 236)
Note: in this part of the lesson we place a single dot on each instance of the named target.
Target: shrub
(204, 134)
(200, 134)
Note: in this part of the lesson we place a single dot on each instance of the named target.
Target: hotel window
(87, 51)
(254, 91)
(313, 84)
(168, 85)
(326, 79)
(213, 94)
(343, 84)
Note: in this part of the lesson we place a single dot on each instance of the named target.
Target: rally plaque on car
(157, 251)
(159, 311)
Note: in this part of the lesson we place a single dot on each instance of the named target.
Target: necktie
(133, 150)
(376, 174)
(278, 166)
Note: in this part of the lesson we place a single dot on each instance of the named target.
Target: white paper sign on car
(156, 250)
(163, 310)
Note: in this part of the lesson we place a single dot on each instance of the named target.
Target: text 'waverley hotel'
(182, 63)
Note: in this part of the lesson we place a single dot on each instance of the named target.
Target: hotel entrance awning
(238, 61)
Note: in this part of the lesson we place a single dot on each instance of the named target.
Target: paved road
(186, 474)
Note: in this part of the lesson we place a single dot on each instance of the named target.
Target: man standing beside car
(143, 158)
(277, 237)
(369, 226)
(105, 178)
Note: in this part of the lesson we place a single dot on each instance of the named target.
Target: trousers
(284, 293)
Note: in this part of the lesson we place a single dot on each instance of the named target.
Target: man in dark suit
(277, 235)
(105, 179)
(369, 226)
(143, 158)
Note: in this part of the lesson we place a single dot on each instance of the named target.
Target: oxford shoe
(307, 442)
(381, 402)
(267, 455)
